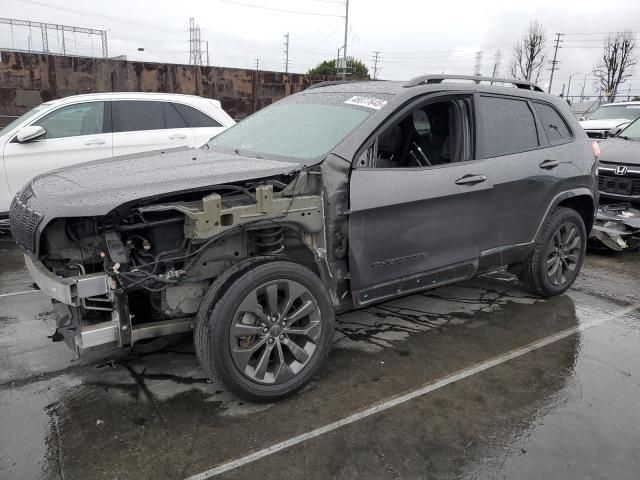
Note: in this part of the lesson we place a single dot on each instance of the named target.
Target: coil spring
(269, 241)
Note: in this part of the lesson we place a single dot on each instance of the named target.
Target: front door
(419, 203)
(75, 133)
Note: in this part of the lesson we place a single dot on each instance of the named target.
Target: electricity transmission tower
(46, 28)
(555, 62)
(195, 44)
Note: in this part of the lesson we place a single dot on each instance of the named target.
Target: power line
(285, 10)
(110, 18)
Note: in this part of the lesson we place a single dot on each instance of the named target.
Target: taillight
(596, 149)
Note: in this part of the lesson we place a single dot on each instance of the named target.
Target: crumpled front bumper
(71, 290)
(76, 291)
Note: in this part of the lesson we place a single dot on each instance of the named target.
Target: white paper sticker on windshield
(368, 102)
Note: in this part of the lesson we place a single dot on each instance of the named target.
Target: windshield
(23, 117)
(632, 132)
(629, 112)
(298, 131)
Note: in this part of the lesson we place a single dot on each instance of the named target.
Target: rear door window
(172, 119)
(506, 126)
(74, 120)
(133, 116)
(195, 118)
(554, 125)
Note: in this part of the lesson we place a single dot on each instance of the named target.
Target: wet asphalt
(567, 410)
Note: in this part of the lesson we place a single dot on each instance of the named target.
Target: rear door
(75, 133)
(142, 125)
(203, 125)
(413, 225)
(528, 167)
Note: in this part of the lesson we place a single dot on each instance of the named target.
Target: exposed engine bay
(160, 255)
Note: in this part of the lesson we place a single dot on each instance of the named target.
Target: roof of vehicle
(420, 85)
(134, 96)
(632, 102)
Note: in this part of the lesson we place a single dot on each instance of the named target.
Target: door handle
(549, 164)
(95, 141)
(177, 136)
(471, 179)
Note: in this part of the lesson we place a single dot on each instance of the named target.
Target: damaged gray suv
(332, 199)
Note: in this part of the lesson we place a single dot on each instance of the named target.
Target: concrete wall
(29, 79)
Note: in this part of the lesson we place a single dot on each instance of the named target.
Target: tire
(562, 242)
(269, 332)
(217, 288)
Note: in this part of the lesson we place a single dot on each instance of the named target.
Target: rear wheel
(270, 331)
(558, 254)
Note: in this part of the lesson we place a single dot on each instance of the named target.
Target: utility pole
(256, 81)
(286, 53)
(569, 85)
(207, 49)
(478, 63)
(496, 64)
(554, 62)
(375, 64)
(346, 26)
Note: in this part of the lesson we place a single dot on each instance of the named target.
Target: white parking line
(19, 293)
(427, 388)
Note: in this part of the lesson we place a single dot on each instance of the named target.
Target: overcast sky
(413, 36)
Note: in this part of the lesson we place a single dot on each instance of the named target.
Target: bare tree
(529, 53)
(616, 64)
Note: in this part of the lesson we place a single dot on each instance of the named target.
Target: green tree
(328, 67)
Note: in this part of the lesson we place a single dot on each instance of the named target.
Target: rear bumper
(69, 291)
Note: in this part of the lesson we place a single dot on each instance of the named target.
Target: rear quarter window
(506, 125)
(195, 118)
(554, 125)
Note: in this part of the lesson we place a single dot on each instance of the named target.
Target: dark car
(619, 170)
(617, 223)
(332, 199)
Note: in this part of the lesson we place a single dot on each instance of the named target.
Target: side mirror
(583, 118)
(613, 131)
(31, 133)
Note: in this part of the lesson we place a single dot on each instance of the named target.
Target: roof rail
(424, 79)
(327, 83)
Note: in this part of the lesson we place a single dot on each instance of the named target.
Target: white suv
(89, 127)
(612, 115)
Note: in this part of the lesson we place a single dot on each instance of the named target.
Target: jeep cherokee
(332, 199)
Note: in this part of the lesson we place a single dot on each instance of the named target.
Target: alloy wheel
(275, 332)
(564, 255)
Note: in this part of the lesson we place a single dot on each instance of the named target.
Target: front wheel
(270, 331)
(558, 254)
